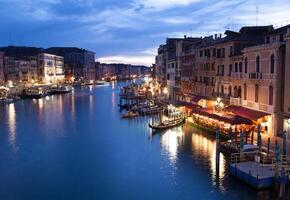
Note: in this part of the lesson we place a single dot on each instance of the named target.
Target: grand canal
(76, 146)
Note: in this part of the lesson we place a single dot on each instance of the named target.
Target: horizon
(129, 31)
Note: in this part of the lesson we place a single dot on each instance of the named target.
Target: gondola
(167, 124)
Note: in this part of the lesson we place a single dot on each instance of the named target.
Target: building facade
(51, 68)
(247, 69)
(2, 77)
(79, 63)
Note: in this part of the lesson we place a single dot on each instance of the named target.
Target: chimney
(184, 36)
(220, 35)
(215, 36)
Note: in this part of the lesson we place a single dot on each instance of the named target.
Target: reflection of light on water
(113, 85)
(91, 88)
(113, 102)
(12, 126)
(91, 103)
(170, 142)
(40, 103)
(207, 149)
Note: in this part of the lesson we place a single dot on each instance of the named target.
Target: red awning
(197, 98)
(229, 119)
(246, 112)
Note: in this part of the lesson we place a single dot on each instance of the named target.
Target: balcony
(270, 76)
(256, 76)
(237, 75)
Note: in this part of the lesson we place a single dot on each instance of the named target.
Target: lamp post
(219, 105)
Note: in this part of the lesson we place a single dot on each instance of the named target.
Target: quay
(258, 171)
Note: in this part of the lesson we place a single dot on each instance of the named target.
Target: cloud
(128, 59)
(164, 4)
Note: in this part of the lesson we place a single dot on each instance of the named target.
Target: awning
(197, 98)
(230, 119)
(253, 115)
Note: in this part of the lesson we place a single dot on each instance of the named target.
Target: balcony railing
(256, 75)
(237, 75)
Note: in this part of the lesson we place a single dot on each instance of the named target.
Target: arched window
(245, 91)
(235, 91)
(256, 93)
(241, 67)
(246, 65)
(240, 92)
(230, 90)
(222, 90)
(258, 64)
(272, 64)
(271, 95)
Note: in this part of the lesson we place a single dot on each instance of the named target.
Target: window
(270, 95)
(214, 52)
(222, 90)
(256, 93)
(230, 90)
(246, 65)
(281, 37)
(245, 91)
(168, 76)
(267, 39)
(258, 64)
(231, 51)
(200, 53)
(231, 69)
(241, 67)
(224, 52)
(272, 64)
(240, 92)
(236, 67)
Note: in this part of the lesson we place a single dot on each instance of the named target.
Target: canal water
(76, 146)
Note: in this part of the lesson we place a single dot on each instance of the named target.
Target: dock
(260, 172)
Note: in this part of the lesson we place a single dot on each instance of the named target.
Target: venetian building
(2, 77)
(262, 89)
(286, 84)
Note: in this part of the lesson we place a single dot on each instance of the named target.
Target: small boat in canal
(168, 123)
(130, 114)
(60, 89)
(101, 83)
(151, 110)
(33, 93)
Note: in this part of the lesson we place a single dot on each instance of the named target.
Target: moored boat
(33, 93)
(130, 114)
(100, 83)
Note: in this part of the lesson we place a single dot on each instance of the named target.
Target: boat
(33, 93)
(130, 114)
(150, 110)
(168, 123)
(100, 83)
(62, 89)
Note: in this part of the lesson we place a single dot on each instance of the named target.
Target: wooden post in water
(268, 146)
(282, 183)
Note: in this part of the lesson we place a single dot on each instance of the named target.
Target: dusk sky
(128, 31)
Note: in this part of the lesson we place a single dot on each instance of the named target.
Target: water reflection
(170, 142)
(12, 126)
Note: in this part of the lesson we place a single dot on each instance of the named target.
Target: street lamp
(165, 90)
(219, 105)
